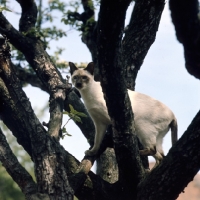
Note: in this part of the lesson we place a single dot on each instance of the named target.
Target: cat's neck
(91, 87)
(92, 94)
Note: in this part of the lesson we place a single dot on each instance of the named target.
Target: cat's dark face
(81, 77)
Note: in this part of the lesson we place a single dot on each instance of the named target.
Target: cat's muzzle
(79, 85)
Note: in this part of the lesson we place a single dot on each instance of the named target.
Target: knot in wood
(4, 48)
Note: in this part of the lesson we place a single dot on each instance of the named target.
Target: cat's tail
(174, 130)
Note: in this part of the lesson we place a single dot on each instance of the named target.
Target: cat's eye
(84, 77)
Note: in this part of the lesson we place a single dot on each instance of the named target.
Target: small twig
(67, 122)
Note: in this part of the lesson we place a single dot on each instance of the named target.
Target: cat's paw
(90, 152)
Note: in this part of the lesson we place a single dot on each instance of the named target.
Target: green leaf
(64, 133)
(77, 119)
(71, 115)
(64, 130)
(74, 114)
(81, 114)
(72, 110)
(68, 134)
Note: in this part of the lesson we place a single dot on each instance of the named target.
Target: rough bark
(139, 36)
(30, 78)
(21, 126)
(46, 154)
(35, 54)
(13, 167)
(89, 31)
(33, 50)
(185, 16)
(113, 84)
(107, 167)
(8, 114)
(29, 15)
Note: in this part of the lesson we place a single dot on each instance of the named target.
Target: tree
(118, 55)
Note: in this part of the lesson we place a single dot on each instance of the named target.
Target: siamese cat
(152, 119)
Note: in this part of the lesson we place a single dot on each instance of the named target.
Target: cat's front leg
(99, 135)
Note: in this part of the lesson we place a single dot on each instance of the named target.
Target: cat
(152, 119)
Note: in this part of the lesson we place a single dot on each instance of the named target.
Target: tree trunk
(107, 167)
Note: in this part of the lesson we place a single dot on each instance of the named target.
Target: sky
(162, 76)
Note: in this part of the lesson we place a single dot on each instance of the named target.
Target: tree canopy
(118, 53)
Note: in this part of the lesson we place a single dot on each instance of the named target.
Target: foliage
(9, 190)
(68, 16)
(75, 116)
(46, 29)
(78, 21)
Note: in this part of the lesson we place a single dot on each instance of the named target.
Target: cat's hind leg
(152, 147)
(159, 153)
(158, 157)
(148, 142)
(148, 151)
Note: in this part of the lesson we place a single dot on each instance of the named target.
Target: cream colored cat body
(152, 119)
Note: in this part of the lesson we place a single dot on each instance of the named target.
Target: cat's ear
(90, 68)
(72, 67)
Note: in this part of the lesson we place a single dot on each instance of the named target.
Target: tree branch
(139, 36)
(30, 78)
(29, 15)
(16, 38)
(46, 154)
(87, 14)
(20, 128)
(89, 32)
(72, 98)
(13, 167)
(100, 189)
(187, 25)
(40, 17)
(33, 50)
(113, 84)
(8, 113)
